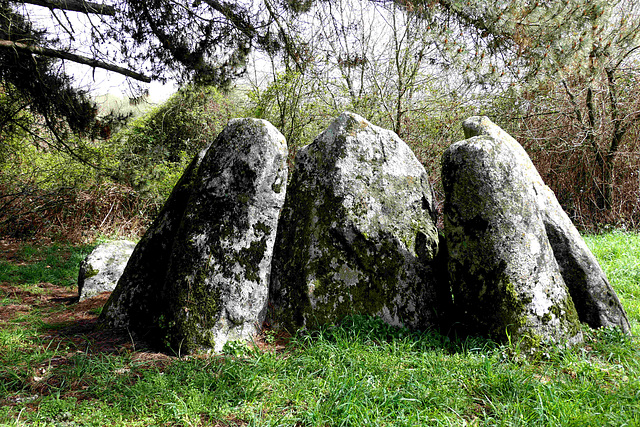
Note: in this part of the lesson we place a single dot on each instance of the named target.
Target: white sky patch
(74, 31)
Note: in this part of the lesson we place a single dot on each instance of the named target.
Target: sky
(101, 82)
(97, 81)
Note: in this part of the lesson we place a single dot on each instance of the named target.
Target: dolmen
(353, 232)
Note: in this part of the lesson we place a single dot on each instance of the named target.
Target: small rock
(102, 268)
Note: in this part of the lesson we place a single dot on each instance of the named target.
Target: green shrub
(151, 153)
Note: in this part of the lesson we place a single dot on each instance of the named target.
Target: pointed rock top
(482, 125)
(351, 137)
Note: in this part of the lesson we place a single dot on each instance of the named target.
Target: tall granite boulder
(102, 268)
(506, 281)
(357, 233)
(595, 300)
(200, 275)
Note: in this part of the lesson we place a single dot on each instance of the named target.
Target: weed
(236, 348)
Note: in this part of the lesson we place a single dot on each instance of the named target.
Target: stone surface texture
(506, 282)
(101, 269)
(200, 275)
(137, 301)
(357, 233)
(595, 300)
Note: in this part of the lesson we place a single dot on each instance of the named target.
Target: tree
(553, 69)
(37, 83)
(206, 42)
(576, 100)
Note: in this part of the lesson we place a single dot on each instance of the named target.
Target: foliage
(34, 182)
(513, 42)
(360, 372)
(293, 103)
(48, 92)
(48, 193)
(36, 96)
(15, 122)
(119, 184)
(205, 42)
(560, 76)
(151, 153)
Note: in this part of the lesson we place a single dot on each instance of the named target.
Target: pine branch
(53, 53)
(75, 6)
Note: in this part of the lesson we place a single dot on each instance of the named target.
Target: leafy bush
(35, 184)
(294, 104)
(151, 153)
(102, 186)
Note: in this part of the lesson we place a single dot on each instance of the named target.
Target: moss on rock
(356, 235)
(505, 279)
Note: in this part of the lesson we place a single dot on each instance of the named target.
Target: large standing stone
(200, 275)
(357, 233)
(505, 279)
(595, 300)
(101, 269)
(137, 301)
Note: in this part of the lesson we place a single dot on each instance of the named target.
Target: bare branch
(21, 47)
(75, 6)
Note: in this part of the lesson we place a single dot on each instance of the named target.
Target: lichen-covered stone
(505, 279)
(137, 301)
(101, 269)
(205, 273)
(357, 233)
(595, 300)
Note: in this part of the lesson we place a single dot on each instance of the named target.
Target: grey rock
(101, 269)
(595, 300)
(506, 282)
(357, 233)
(137, 302)
(200, 276)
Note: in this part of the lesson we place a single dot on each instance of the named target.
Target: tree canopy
(491, 45)
(206, 42)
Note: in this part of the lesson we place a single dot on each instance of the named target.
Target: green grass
(619, 255)
(359, 373)
(57, 263)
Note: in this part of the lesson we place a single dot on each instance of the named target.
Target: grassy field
(57, 369)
